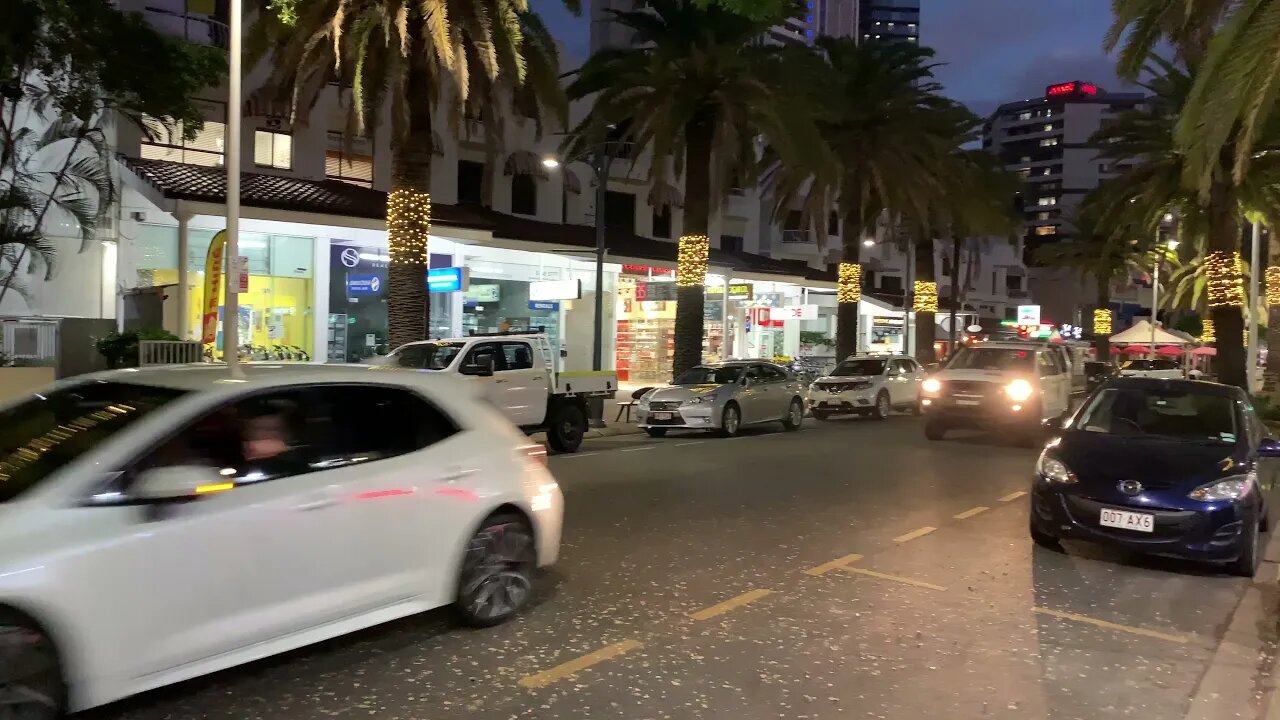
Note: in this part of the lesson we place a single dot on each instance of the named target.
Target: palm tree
(1144, 140)
(695, 90)
(889, 133)
(453, 57)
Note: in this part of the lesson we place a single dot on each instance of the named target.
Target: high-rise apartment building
(819, 17)
(889, 20)
(1046, 141)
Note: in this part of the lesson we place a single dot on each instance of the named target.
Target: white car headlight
(1053, 469)
(698, 400)
(814, 387)
(1232, 488)
(1019, 390)
(931, 386)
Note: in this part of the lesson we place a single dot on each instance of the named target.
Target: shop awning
(524, 162)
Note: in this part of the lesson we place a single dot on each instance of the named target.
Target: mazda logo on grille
(1130, 487)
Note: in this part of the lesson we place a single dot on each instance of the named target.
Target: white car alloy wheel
(731, 422)
(882, 406)
(497, 574)
(31, 686)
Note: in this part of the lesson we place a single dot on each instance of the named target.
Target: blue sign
(444, 280)
(364, 284)
(544, 305)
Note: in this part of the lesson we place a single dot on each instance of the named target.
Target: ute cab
(994, 386)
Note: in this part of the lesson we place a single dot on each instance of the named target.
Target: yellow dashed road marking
(730, 604)
(971, 512)
(894, 578)
(836, 564)
(919, 532)
(1012, 496)
(577, 665)
(1112, 626)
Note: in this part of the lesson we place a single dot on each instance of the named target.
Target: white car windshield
(426, 356)
(989, 358)
(862, 366)
(1173, 413)
(710, 375)
(46, 432)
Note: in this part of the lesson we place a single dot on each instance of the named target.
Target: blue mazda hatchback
(1167, 467)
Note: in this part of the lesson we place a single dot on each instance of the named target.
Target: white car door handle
(499, 382)
(319, 504)
(452, 475)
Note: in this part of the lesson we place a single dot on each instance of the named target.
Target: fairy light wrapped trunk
(1224, 290)
(848, 297)
(408, 235)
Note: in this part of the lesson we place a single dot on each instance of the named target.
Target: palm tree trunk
(1271, 381)
(691, 268)
(409, 219)
(952, 334)
(851, 253)
(1228, 320)
(1103, 341)
(926, 322)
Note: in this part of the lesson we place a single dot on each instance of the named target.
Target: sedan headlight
(933, 386)
(1232, 488)
(1019, 390)
(699, 400)
(1054, 470)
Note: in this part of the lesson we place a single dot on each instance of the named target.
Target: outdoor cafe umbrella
(1204, 352)
(1169, 350)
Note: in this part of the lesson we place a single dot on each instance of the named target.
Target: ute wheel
(730, 421)
(496, 580)
(935, 430)
(882, 408)
(31, 681)
(1250, 553)
(795, 416)
(656, 432)
(567, 428)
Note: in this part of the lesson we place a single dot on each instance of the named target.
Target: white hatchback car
(161, 524)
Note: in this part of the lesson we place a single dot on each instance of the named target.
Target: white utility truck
(520, 377)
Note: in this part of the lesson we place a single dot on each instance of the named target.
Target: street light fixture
(550, 163)
(869, 242)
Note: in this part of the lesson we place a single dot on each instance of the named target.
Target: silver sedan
(724, 397)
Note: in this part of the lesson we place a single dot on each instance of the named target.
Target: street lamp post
(1155, 284)
(231, 305)
(600, 162)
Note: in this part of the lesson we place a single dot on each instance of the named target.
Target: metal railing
(29, 341)
(169, 352)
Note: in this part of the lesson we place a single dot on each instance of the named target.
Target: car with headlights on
(871, 385)
(161, 524)
(724, 397)
(996, 386)
(1180, 468)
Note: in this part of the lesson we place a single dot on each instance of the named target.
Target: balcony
(172, 19)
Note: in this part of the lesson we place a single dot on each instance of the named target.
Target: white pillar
(231, 311)
(184, 294)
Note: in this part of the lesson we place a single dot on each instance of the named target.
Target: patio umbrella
(1204, 352)
(1169, 350)
(1132, 350)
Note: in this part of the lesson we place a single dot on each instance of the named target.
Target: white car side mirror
(177, 484)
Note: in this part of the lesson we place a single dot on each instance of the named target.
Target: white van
(996, 385)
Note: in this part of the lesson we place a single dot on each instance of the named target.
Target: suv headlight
(1054, 470)
(933, 386)
(1232, 488)
(814, 387)
(1019, 390)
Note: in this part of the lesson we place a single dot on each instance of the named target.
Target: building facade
(889, 20)
(1046, 142)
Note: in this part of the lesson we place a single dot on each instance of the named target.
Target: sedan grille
(1169, 524)
(665, 405)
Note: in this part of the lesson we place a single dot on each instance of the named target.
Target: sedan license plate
(1142, 522)
(662, 416)
(961, 401)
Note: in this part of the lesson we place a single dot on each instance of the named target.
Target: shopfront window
(275, 313)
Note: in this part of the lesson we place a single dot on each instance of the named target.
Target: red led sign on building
(1075, 87)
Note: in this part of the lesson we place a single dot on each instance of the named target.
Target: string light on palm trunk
(1225, 283)
(691, 260)
(408, 226)
(1101, 321)
(1207, 334)
(849, 287)
(1273, 285)
(926, 297)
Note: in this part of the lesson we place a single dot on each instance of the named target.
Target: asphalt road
(851, 570)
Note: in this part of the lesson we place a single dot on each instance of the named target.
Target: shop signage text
(483, 293)
(655, 291)
(737, 291)
(1028, 314)
(555, 290)
(240, 273)
(363, 284)
(446, 280)
(1074, 87)
(544, 305)
(797, 312)
(880, 321)
(646, 271)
